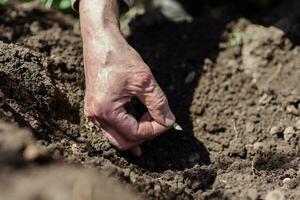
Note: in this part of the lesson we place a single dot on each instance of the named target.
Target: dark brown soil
(233, 87)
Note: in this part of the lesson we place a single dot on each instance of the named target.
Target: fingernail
(169, 119)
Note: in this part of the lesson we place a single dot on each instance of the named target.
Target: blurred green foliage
(60, 4)
(63, 5)
(2, 2)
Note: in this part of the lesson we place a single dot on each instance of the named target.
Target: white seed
(177, 127)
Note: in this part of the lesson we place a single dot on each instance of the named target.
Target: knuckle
(161, 101)
(97, 108)
(144, 78)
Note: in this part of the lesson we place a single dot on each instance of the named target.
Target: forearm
(98, 18)
(99, 21)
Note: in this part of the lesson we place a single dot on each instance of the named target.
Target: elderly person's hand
(114, 74)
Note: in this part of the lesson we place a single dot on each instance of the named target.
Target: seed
(177, 127)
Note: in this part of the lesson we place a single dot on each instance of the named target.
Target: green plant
(60, 4)
(2, 2)
(237, 38)
(63, 5)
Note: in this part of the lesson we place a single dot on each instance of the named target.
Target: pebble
(275, 195)
(126, 172)
(75, 148)
(286, 180)
(290, 183)
(190, 77)
(258, 145)
(291, 109)
(132, 177)
(157, 188)
(276, 130)
(237, 149)
(288, 133)
(250, 127)
(90, 124)
(265, 99)
(31, 153)
(252, 194)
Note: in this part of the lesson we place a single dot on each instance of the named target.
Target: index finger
(126, 125)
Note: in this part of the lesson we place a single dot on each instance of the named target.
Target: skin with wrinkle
(114, 73)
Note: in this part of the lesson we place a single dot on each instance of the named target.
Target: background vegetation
(63, 5)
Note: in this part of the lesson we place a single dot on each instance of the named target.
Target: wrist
(99, 18)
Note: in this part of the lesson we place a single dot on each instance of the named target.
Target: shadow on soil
(176, 55)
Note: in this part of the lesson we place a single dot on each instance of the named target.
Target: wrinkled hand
(114, 74)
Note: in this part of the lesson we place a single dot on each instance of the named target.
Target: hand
(112, 79)
(115, 73)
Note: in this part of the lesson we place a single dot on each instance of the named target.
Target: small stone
(237, 149)
(258, 145)
(190, 77)
(286, 180)
(75, 148)
(132, 177)
(252, 194)
(290, 183)
(91, 124)
(288, 133)
(126, 172)
(265, 99)
(250, 127)
(291, 109)
(275, 195)
(157, 188)
(275, 130)
(31, 153)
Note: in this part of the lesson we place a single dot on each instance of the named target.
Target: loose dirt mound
(235, 92)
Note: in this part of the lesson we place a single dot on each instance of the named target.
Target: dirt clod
(289, 133)
(239, 113)
(275, 195)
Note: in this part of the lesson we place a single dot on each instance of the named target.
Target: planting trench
(236, 99)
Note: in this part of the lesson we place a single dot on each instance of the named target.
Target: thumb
(136, 151)
(157, 104)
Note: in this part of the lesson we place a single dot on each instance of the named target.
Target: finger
(149, 128)
(121, 142)
(137, 151)
(117, 140)
(157, 103)
(126, 125)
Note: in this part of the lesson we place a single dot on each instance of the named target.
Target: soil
(233, 86)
